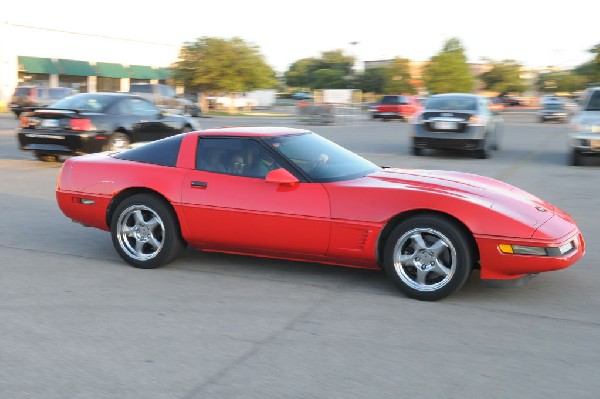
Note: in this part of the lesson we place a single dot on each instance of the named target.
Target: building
(86, 62)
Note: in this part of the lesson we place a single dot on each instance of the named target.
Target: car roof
(263, 131)
(455, 95)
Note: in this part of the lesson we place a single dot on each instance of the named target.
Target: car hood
(447, 189)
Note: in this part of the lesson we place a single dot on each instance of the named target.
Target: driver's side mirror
(281, 176)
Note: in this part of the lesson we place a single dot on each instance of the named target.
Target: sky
(535, 34)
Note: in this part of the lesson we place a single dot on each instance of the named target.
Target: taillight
(81, 125)
(23, 121)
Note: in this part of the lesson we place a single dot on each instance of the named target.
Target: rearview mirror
(281, 176)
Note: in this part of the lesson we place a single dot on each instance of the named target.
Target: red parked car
(397, 107)
(290, 193)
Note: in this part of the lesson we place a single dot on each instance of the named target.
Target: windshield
(452, 103)
(84, 102)
(594, 103)
(320, 159)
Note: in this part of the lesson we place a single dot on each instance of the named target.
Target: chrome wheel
(429, 256)
(424, 259)
(140, 232)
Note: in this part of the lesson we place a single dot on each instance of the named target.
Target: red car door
(229, 212)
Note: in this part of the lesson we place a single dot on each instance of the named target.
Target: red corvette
(290, 193)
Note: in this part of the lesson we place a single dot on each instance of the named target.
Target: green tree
(503, 77)
(590, 71)
(372, 80)
(214, 65)
(333, 70)
(448, 71)
(560, 81)
(397, 78)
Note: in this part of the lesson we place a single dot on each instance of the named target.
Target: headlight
(522, 250)
(537, 251)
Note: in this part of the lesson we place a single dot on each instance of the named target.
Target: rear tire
(576, 158)
(118, 142)
(428, 257)
(145, 232)
(46, 157)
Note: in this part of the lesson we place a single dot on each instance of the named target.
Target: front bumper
(496, 265)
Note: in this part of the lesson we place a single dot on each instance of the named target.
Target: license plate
(565, 247)
(50, 123)
(444, 125)
(595, 144)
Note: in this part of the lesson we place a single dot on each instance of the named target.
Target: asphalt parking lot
(77, 322)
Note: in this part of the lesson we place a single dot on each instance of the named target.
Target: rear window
(22, 91)
(554, 106)
(389, 100)
(452, 103)
(57, 94)
(161, 152)
(140, 88)
(85, 102)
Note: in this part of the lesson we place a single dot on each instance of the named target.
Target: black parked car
(95, 122)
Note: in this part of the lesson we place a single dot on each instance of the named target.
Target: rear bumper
(61, 143)
(472, 138)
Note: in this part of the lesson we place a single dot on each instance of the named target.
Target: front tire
(145, 232)
(428, 257)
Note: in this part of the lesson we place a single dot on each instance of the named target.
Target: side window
(122, 107)
(140, 107)
(167, 91)
(234, 156)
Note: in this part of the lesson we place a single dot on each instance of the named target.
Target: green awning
(164, 73)
(143, 72)
(76, 68)
(37, 65)
(109, 70)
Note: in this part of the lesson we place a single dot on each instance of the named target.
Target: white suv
(584, 137)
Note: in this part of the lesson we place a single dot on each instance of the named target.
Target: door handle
(199, 184)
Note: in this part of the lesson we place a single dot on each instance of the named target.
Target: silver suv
(584, 137)
(37, 96)
(163, 96)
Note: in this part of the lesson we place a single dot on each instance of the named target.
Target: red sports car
(290, 193)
